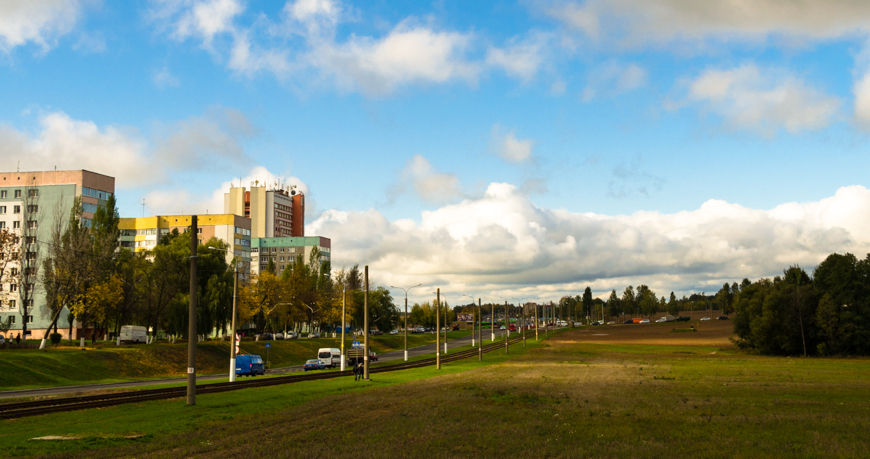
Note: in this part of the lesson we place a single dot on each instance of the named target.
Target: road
(385, 357)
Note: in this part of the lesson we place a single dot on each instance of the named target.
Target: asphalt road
(385, 357)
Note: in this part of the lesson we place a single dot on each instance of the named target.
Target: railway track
(38, 407)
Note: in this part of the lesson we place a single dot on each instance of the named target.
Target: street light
(523, 322)
(233, 334)
(472, 313)
(445, 327)
(406, 315)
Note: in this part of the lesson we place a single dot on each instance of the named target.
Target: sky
(518, 150)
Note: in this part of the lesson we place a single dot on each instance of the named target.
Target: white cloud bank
(504, 244)
(36, 21)
(762, 101)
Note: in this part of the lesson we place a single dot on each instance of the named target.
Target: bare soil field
(715, 333)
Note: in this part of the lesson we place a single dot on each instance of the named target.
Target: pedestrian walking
(18, 339)
(356, 372)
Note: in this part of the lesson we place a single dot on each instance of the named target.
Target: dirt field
(715, 333)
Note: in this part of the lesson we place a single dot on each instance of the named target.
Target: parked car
(2, 339)
(279, 336)
(267, 336)
(596, 323)
(313, 335)
(133, 334)
(419, 330)
(722, 318)
(291, 335)
(644, 321)
(313, 364)
(705, 318)
(455, 327)
(629, 321)
(249, 365)
(578, 324)
(376, 332)
(563, 323)
(394, 332)
(501, 328)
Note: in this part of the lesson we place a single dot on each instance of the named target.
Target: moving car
(313, 364)
(249, 365)
(313, 335)
(394, 332)
(578, 324)
(501, 328)
(644, 321)
(330, 356)
(683, 319)
(722, 318)
(513, 327)
(376, 332)
(611, 322)
(418, 330)
(629, 321)
(661, 320)
(705, 318)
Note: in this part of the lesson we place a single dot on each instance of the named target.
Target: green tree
(587, 302)
(673, 307)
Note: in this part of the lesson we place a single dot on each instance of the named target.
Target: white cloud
(164, 78)
(520, 58)
(427, 183)
(763, 102)
(639, 23)
(197, 143)
(613, 78)
(74, 144)
(200, 19)
(503, 242)
(409, 54)
(41, 22)
(508, 147)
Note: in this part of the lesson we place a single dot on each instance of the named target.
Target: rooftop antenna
(143, 207)
(18, 167)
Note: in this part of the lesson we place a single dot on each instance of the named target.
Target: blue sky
(467, 144)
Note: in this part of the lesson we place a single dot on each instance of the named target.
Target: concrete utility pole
(479, 331)
(233, 334)
(507, 328)
(492, 319)
(537, 324)
(191, 317)
(406, 314)
(437, 329)
(524, 324)
(366, 326)
(343, 316)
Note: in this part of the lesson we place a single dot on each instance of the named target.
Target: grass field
(611, 392)
(105, 362)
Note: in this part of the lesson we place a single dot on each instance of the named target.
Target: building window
(17, 193)
(16, 210)
(33, 208)
(2, 225)
(88, 207)
(30, 319)
(3, 194)
(2, 209)
(16, 224)
(32, 224)
(32, 193)
(13, 287)
(12, 306)
(255, 250)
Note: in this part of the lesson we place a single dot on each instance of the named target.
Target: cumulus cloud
(502, 242)
(428, 183)
(613, 78)
(520, 58)
(40, 22)
(506, 145)
(208, 141)
(198, 19)
(762, 101)
(639, 23)
(164, 78)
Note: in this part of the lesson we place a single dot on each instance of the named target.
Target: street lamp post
(536, 321)
(343, 318)
(472, 322)
(233, 329)
(406, 315)
(523, 319)
(437, 332)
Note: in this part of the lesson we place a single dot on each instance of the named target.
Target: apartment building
(29, 204)
(143, 233)
(276, 211)
(284, 250)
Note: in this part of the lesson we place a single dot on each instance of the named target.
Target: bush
(55, 338)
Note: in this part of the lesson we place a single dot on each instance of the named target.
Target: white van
(330, 356)
(133, 334)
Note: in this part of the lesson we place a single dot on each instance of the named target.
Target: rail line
(38, 407)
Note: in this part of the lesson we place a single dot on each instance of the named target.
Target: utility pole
(524, 325)
(438, 329)
(191, 317)
(492, 319)
(366, 326)
(343, 326)
(479, 331)
(445, 331)
(537, 324)
(233, 333)
(507, 328)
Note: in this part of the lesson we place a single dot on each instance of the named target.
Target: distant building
(29, 203)
(278, 211)
(284, 250)
(144, 233)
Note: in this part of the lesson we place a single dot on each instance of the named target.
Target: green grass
(558, 398)
(103, 363)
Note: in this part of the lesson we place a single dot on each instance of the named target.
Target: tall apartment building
(143, 233)
(29, 204)
(284, 250)
(277, 211)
